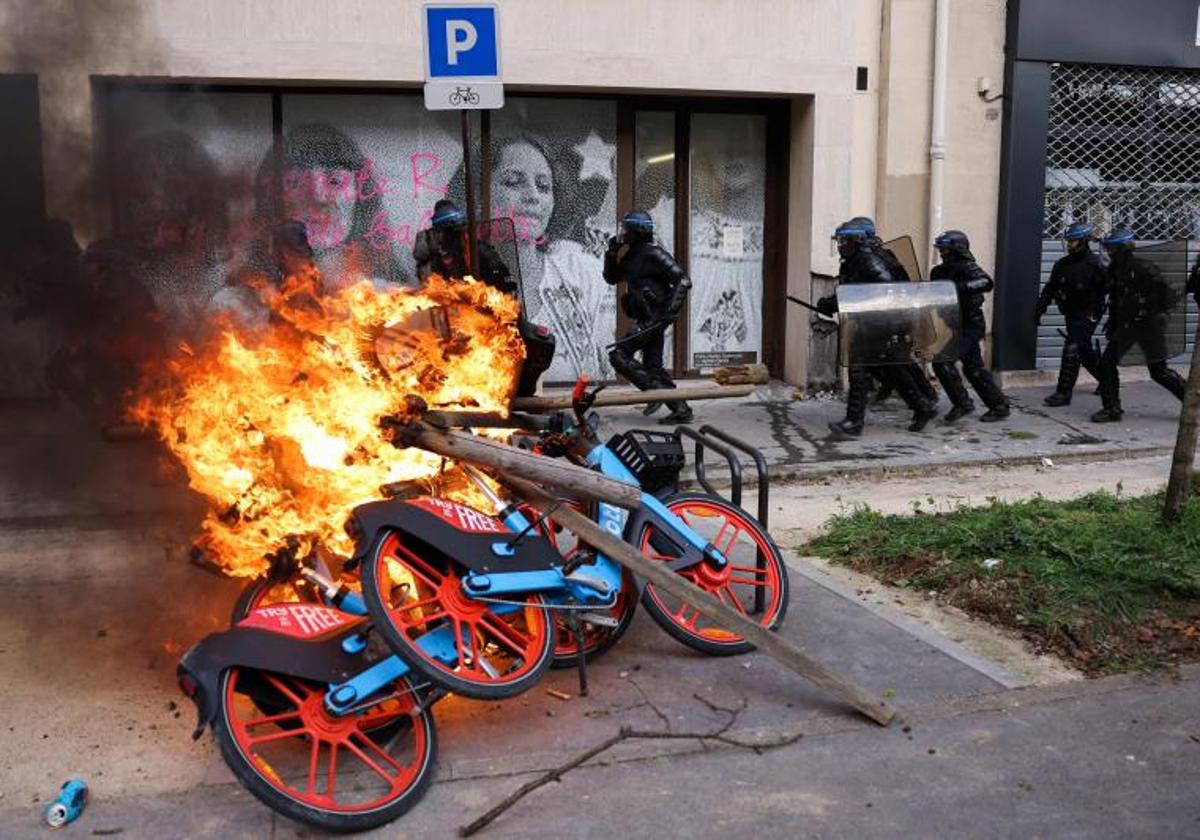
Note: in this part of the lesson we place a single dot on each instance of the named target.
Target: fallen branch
(627, 733)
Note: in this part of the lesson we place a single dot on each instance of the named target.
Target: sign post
(462, 73)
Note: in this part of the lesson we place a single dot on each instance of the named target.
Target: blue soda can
(68, 804)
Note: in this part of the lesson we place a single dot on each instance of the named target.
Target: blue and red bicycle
(320, 693)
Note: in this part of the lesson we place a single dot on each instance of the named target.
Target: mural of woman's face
(523, 184)
(324, 199)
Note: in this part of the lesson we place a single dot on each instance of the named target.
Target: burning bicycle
(326, 725)
(320, 694)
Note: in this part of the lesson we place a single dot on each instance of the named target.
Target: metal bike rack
(727, 446)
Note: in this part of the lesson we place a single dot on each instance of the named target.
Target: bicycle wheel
(741, 584)
(493, 651)
(266, 592)
(330, 772)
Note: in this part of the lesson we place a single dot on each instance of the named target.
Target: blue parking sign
(461, 42)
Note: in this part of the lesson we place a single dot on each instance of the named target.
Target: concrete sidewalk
(795, 439)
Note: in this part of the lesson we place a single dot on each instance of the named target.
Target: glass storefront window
(727, 185)
(363, 172)
(654, 185)
(553, 173)
(182, 169)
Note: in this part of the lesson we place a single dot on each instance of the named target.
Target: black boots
(1107, 415)
(922, 416)
(959, 411)
(847, 427)
(998, 412)
(1068, 373)
(681, 414)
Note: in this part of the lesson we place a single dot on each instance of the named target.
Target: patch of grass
(1098, 579)
(1022, 435)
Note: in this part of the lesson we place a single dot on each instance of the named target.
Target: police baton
(806, 305)
(661, 325)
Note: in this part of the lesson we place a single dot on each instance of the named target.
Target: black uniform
(444, 251)
(869, 265)
(972, 283)
(656, 290)
(1077, 287)
(1138, 304)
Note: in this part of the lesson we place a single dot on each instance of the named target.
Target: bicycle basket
(655, 458)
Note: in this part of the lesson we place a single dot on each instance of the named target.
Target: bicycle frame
(559, 589)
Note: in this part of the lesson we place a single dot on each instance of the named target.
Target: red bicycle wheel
(753, 581)
(498, 650)
(333, 772)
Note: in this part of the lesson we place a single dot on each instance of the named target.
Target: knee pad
(619, 360)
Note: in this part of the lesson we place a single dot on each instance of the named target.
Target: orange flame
(278, 425)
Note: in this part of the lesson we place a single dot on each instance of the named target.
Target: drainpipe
(937, 126)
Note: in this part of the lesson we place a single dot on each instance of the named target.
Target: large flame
(278, 426)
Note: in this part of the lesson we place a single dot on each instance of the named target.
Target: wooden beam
(555, 472)
(632, 396)
(774, 645)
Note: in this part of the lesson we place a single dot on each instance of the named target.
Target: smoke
(66, 44)
(51, 53)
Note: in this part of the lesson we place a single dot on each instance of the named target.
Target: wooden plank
(632, 396)
(556, 472)
(775, 646)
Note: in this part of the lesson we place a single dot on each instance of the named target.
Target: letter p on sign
(461, 42)
(460, 37)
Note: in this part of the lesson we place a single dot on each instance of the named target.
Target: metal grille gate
(1123, 149)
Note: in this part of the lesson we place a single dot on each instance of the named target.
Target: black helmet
(448, 214)
(1118, 239)
(860, 227)
(853, 234)
(637, 225)
(1078, 230)
(954, 242)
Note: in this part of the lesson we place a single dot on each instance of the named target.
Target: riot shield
(1172, 260)
(898, 323)
(902, 249)
(498, 256)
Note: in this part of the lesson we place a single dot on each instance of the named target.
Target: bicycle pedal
(598, 620)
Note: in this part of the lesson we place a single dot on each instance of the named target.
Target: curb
(801, 472)
(992, 670)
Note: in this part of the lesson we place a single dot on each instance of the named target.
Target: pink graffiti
(382, 233)
(335, 184)
(419, 175)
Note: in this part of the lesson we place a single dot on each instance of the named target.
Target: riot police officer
(972, 282)
(1139, 300)
(1076, 286)
(443, 249)
(863, 262)
(656, 289)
